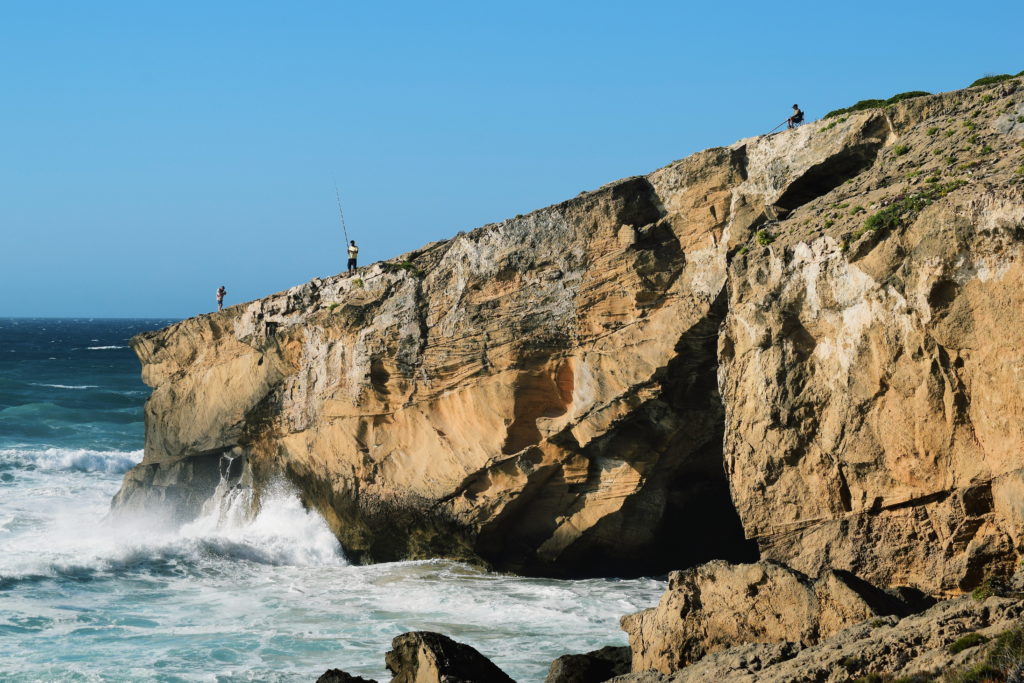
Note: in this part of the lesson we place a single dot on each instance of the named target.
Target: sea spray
(251, 589)
(275, 529)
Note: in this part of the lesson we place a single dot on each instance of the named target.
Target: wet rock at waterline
(425, 657)
(591, 667)
(339, 676)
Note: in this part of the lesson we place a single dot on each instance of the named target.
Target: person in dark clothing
(221, 292)
(353, 254)
(796, 119)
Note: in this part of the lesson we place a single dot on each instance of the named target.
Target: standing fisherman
(221, 292)
(353, 250)
(353, 254)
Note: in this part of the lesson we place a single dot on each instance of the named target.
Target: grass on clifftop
(989, 80)
(876, 104)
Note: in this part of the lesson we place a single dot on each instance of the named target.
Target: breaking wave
(71, 459)
(278, 531)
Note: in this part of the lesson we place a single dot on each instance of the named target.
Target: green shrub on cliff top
(979, 673)
(903, 210)
(906, 96)
(989, 80)
(966, 641)
(875, 104)
(1005, 655)
(859, 106)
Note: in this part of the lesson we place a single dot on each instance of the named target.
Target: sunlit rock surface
(551, 394)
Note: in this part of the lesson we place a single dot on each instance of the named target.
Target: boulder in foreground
(719, 605)
(339, 676)
(592, 667)
(426, 657)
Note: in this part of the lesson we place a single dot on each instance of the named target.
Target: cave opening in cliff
(681, 513)
(698, 521)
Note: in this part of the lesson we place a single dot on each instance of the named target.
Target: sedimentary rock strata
(551, 394)
(872, 377)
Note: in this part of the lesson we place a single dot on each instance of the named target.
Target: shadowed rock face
(549, 394)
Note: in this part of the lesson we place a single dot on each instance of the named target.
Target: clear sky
(151, 150)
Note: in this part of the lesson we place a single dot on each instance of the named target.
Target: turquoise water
(226, 597)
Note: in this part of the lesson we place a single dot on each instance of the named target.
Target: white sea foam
(72, 541)
(249, 581)
(277, 530)
(67, 386)
(75, 459)
(104, 348)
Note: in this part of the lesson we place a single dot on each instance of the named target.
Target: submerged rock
(425, 657)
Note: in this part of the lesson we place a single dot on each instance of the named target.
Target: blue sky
(151, 151)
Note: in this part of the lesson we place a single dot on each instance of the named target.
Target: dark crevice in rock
(636, 202)
(683, 515)
(824, 177)
(829, 174)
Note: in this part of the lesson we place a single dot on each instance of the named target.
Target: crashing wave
(73, 459)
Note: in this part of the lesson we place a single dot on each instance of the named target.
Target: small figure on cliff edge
(796, 119)
(353, 254)
(221, 292)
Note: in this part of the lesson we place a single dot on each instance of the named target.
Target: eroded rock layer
(543, 394)
(872, 377)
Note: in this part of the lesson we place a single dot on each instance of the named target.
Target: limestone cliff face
(543, 393)
(872, 379)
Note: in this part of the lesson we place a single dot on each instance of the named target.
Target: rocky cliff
(807, 339)
(872, 360)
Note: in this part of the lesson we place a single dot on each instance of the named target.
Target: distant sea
(227, 597)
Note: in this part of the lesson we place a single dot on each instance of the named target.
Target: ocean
(229, 596)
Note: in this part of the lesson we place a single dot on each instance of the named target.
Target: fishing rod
(341, 213)
(777, 127)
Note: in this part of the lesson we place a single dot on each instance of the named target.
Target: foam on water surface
(244, 592)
